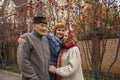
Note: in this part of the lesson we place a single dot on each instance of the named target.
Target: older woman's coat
(71, 68)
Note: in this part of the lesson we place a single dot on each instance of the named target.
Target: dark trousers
(52, 76)
(24, 78)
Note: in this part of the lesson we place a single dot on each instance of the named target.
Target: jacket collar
(34, 32)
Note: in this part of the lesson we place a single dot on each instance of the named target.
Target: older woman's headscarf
(71, 40)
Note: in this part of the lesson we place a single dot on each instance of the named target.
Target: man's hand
(52, 69)
(21, 40)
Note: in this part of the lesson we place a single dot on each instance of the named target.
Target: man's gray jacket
(33, 57)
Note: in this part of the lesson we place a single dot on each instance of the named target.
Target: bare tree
(98, 21)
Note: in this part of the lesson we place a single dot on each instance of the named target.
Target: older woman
(69, 60)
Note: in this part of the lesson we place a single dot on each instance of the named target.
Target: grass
(12, 68)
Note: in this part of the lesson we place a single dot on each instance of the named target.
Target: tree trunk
(96, 53)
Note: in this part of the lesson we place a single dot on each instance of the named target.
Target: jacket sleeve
(74, 62)
(24, 61)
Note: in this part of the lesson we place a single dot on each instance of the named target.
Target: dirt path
(4, 75)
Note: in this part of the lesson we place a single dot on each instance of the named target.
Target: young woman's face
(60, 32)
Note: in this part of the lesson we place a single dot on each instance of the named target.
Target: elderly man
(34, 56)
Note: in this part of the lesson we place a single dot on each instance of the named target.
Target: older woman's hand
(52, 69)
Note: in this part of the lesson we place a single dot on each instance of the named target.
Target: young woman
(69, 60)
(55, 41)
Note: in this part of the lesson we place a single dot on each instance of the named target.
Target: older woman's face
(65, 36)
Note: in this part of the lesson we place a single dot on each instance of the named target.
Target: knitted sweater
(71, 65)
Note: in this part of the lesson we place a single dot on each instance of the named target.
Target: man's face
(40, 28)
(60, 32)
